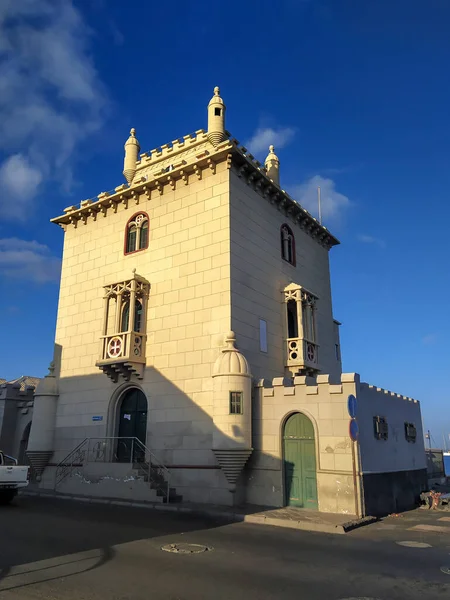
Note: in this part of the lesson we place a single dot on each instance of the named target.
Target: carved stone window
(136, 233)
(124, 327)
(287, 244)
(301, 329)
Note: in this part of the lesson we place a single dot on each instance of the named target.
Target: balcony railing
(123, 347)
(122, 353)
(302, 354)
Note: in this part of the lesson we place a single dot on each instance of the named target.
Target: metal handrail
(63, 469)
(101, 450)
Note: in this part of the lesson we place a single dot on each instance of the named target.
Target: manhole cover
(414, 544)
(186, 548)
(446, 570)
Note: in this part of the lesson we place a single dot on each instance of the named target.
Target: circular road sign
(351, 406)
(353, 430)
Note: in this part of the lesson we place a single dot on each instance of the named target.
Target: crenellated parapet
(165, 168)
(322, 385)
(158, 179)
(378, 390)
(311, 386)
(14, 391)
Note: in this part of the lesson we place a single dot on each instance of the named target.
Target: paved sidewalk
(289, 517)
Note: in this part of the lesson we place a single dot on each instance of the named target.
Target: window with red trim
(287, 244)
(136, 233)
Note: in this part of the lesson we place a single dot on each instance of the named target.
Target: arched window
(137, 316)
(287, 244)
(136, 233)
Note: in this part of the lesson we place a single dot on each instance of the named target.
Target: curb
(224, 515)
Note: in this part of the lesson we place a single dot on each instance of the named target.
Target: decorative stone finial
(272, 165)
(51, 369)
(132, 149)
(134, 271)
(231, 361)
(230, 340)
(216, 118)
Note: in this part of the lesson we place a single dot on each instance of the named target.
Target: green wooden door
(132, 424)
(300, 462)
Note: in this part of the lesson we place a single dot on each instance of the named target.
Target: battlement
(14, 391)
(379, 390)
(146, 182)
(178, 145)
(173, 163)
(322, 385)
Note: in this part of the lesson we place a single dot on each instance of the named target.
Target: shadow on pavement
(43, 539)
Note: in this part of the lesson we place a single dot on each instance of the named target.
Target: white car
(12, 478)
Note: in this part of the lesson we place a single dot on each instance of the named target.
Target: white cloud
(19, 180)
(265, 136)
(28, 260)
(333, 203)
(369, 239)
(50, 95)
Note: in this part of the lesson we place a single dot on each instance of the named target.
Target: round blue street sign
(354, 430)
(351, 406)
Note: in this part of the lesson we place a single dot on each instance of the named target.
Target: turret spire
(272, 165)
(216, 118)
(132, 149)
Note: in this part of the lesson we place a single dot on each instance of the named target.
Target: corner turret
(132, 149)
(216, 118)
(272, 165)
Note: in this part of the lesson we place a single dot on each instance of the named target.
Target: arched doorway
(132, 425)
(299, 451)
(24, 444)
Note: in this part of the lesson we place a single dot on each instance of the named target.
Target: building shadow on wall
(180, 433)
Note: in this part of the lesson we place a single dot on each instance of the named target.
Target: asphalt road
(64, 550)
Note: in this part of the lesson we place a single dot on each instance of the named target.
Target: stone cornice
(182, 166)
(253, 173)
(130, 195)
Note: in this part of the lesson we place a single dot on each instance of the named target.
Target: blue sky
(353, 94)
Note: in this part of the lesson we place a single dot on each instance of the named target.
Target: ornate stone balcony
(123, 354)
(302, 355)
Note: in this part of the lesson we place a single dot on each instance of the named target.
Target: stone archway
(299, 462)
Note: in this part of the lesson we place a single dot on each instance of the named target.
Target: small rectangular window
(410, 432)
(236, 407)
(217, 112)
(380, 428)
(262, 335)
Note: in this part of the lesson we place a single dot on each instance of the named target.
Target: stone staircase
(92, 469)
